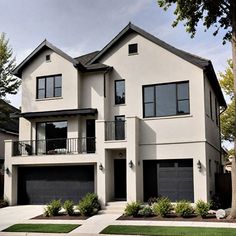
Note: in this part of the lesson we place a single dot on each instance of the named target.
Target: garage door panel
(40, 185)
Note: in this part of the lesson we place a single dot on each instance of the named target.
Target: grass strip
(168, 231)
(42, 228)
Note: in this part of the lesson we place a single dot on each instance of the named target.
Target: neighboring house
(135, 120)
(9, 129)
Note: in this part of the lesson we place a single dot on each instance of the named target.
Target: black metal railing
(54, 146)
(115, 130)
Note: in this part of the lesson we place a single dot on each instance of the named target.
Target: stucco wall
(39, 67)
(5, 136)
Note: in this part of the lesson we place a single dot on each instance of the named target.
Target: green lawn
(168, 231)
(42, 228)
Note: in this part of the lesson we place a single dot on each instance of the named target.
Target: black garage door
(40, 185)
(172, 179)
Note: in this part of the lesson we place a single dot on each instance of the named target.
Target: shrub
(69, 207)
(152, 200)
(53, 208)
(89, 205)
(3, 203)
(162, 207)
(146, 211)
(202, 208)
(184, 209)
(132, 209)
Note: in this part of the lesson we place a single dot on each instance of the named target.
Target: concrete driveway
(16, 214)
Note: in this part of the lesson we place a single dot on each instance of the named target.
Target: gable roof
(200, 62)
(78, 62)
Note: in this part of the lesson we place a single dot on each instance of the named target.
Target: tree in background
(219, 14)
(228, 117)
(8, 83)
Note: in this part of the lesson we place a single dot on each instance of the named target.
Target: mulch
(61, 217)
(173, 217)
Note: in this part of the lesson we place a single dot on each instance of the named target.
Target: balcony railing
(53, 146)
(115, 130)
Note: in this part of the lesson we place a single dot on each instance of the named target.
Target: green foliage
(53, 208)
(89, 205)
(202, 208)
(162, 207)
(146, 211)
(184, 209)
(216, 14)
(8, 83)
(227, 118)
(152, 200)
(69, 207)
(132, 209)
(3, 203)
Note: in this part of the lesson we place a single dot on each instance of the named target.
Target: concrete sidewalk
(92, 226)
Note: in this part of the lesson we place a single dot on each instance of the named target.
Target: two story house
(137, 119)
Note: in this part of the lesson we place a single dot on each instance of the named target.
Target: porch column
(100, 150)
(134, 185)
(10, 175)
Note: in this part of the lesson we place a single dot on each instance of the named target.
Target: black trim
(133, 48)
(115, 82)
(176, 83)
(71, 112)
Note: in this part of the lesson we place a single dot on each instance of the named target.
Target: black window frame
(119, 125)
(216, 112)
(45, 86)
(131, 47)
(48, 58)
(176, 99)
(115, 85)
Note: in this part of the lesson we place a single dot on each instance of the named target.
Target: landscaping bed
(42, 228)
(62, 216)
(167, 231)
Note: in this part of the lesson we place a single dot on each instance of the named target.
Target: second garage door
(169, 178)
(40, 185)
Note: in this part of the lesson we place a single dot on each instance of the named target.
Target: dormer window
(133, 48)
(48, 58)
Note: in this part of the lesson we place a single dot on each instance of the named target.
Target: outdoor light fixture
(100, 166)
(199, 165)
(120, 154)
(7, 171)
(131, 164)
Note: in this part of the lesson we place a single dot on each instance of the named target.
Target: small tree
(8, 83)
(220, 14)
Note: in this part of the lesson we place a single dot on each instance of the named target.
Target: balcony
(115, 130)
(54, 146)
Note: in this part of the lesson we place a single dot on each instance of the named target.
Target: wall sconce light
(100, 166)
(7, 171)
(199, 165)
(120, 154)
(131, 164)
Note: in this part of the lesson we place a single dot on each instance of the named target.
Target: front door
(120, 179)
(90, 136)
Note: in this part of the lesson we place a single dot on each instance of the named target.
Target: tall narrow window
(120, 127)
(120, 92)
(166, 99)
(211, 115)
(49, 86)
(216, 112)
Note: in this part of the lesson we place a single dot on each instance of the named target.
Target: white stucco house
(137, 119)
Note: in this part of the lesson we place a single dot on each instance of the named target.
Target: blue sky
(82, 26)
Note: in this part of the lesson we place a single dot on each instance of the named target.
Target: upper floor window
(49, 86)
(133, 48)
(216, 112)
(48, 58)
(119, 91)
(166, 99)
(211, 110)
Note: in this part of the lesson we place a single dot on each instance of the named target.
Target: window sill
(117, 105)
(46, 99)
(133, 54)
(168, 117)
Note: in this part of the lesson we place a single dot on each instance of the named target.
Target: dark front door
(120, 179)
(90, 136)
